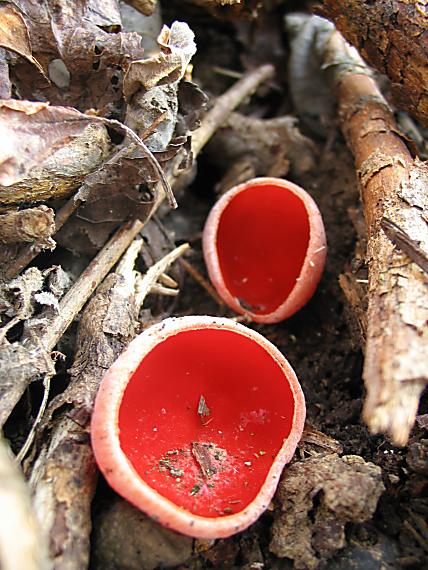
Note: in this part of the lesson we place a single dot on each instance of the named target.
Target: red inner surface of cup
(262, 240)
(176, 450)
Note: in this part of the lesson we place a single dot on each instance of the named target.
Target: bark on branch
(392, 36)
(30, 225)
(393, 186)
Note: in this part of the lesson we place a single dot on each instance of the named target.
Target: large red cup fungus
(194, 423)
(265, 248)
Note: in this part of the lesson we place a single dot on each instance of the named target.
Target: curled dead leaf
(14, 34)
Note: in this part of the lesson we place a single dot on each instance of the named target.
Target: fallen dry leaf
(151, 85)
(81, 48)
(122, 188)
(14, 34)
(177, 47)
(29, 132)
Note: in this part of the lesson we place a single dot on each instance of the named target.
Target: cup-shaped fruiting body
(265, 248)
(194, 423)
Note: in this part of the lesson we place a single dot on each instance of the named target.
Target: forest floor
(323, 342)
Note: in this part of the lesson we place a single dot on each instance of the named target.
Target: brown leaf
(151, 85)
(83, 38)
(32, 131)
(177, 49)
(14, 34)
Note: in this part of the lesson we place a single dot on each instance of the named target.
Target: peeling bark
(392, 36)
(393, 186)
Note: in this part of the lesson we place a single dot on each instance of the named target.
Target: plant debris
(317, 497)
(105, 107)
(209, 458)
(203, 409)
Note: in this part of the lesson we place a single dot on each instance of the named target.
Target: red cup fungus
(194, 423)
(265, 248)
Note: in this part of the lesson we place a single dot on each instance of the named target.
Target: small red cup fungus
(265, 248)
(194, 423)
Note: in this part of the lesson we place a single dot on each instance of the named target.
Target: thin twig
(200, 279)
(167, 281)
(30, 437)
(71, 304)
(158, 289)
(145, 284)
(147, 153)
(227, 102)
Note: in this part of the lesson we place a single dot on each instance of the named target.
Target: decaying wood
(391, 35)
(393, 186)
(29, 225)
(20, 543)
(27, 253)
(64, 475)
(63, 172)
(37, 344)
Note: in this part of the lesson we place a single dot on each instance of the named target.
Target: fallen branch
(64, 474)
(393, 186)
(30, 225)
(20, 541)
(390, 36)
(38, 348)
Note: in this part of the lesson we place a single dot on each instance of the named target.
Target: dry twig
(30, 225)
(393, 186)
(69, 307)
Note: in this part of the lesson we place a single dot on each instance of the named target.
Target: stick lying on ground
(394, 186)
